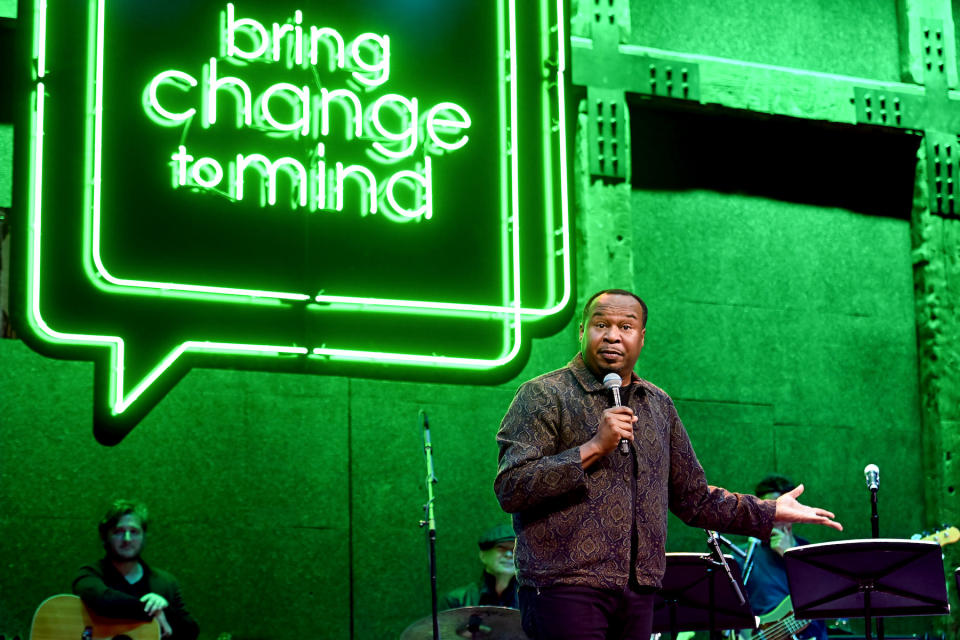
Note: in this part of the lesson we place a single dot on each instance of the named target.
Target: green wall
(786, 318)
(285, 502)
(781, 321)
(850, 37)
(6, 164)
(777, 328)
(278, 499)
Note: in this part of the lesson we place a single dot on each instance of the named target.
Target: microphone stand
(713, 541)
(715, 548)
(875, 531)
(747, 555)
(737, 550)
(431, 524)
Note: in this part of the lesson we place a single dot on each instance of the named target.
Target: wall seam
(350, 505)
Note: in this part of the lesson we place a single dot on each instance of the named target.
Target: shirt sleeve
(184, 626)
(532, 469)
(450, 601)
(104, 600)
(701, 505)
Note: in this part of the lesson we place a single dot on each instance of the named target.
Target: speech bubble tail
(129, 383)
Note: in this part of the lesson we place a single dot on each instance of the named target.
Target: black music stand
(867, 578)
(697, 596)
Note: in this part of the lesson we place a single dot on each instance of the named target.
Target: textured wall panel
(803, 309)
(852, 37)
(243, 473)
(6, 165)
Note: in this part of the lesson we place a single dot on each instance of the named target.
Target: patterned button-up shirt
(575, 525)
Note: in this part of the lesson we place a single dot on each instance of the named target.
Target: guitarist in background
(767, 584)
(122, 585)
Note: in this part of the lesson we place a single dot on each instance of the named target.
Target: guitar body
(778, 623)
(65, 617)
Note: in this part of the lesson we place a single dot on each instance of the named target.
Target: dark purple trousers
(575, 612)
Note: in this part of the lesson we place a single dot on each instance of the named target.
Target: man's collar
(109, 566)
(589, 381)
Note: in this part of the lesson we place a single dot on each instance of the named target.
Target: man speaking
(591, 521)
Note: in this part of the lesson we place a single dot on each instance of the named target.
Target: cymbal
(473, 623)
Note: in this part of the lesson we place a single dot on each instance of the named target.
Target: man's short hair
(615, 292)
(775, 483)
(117, 510)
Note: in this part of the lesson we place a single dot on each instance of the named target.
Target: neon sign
(316, 184)
(332, 188)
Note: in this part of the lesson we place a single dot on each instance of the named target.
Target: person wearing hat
(498, 584)
(767, 586)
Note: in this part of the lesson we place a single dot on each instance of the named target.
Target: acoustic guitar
(65, 617)
(781, 624)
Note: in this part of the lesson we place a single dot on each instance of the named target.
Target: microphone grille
(611, 381)
(871, 468)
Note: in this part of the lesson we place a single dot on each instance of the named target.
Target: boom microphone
(612, 381)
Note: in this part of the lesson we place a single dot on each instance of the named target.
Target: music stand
(866, 578)
(697, 596)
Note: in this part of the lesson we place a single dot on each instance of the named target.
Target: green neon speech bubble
(147, 303)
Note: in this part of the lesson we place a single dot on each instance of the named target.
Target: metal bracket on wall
(670, 79)
(942, 147)
(885, 108)
(612, 15)
(942, 165)
(641, 74)
(608, 134)
(918, 113)
(934, 61)
(933, 112)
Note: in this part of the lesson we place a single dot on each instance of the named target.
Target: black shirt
(482, 593)
(107, 593)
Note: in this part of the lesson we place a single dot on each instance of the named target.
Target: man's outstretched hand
(790, 510)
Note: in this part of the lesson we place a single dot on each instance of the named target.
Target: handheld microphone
(872, 474)
(612, 381)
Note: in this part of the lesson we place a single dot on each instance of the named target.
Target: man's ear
(581, 331)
